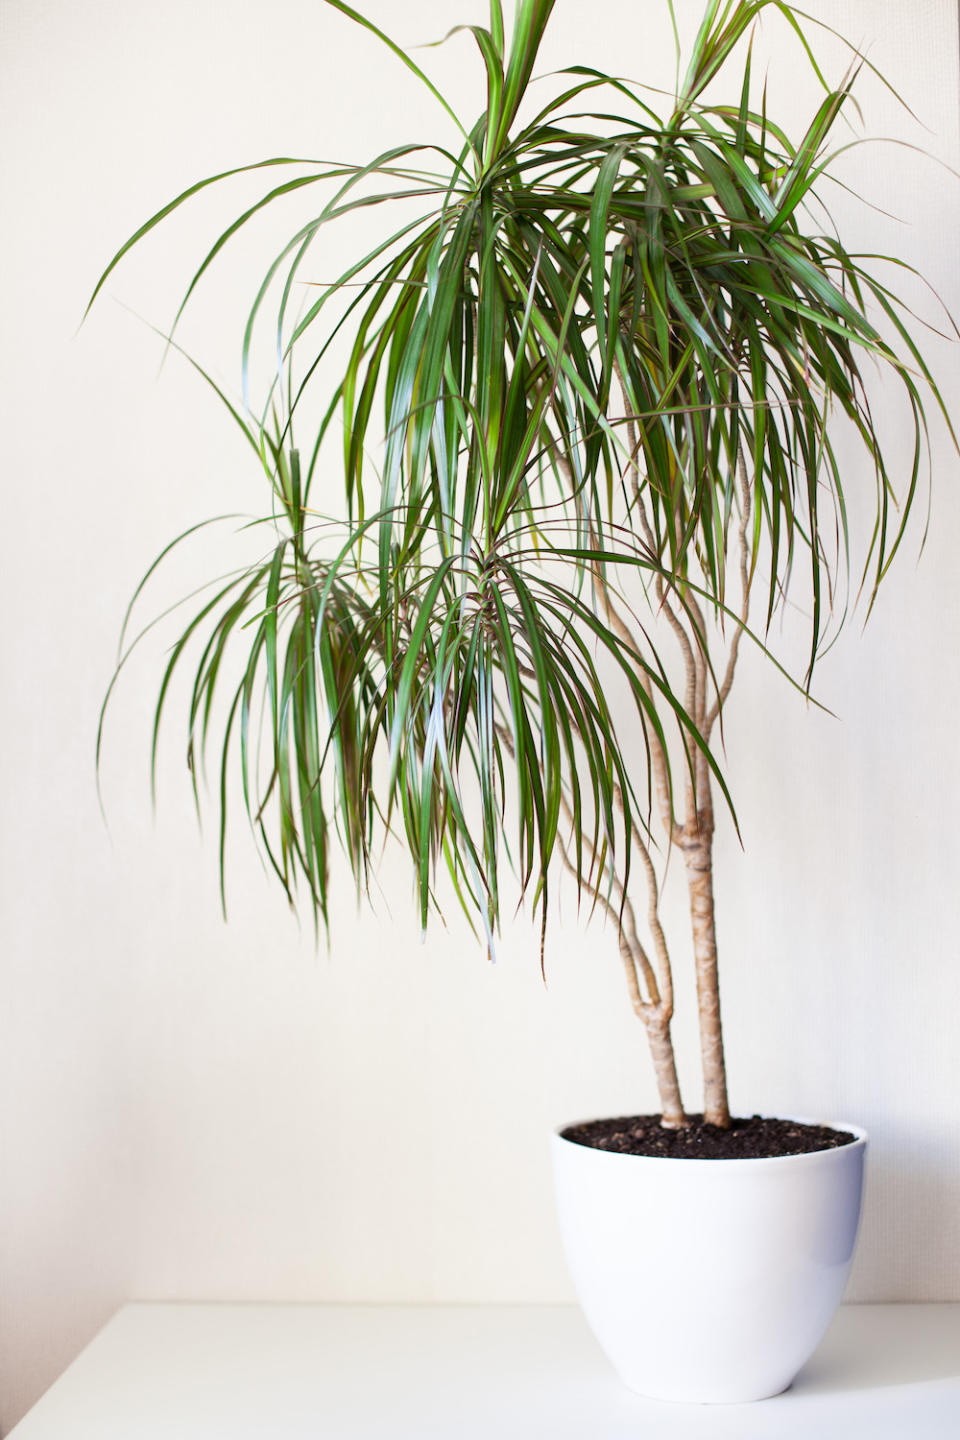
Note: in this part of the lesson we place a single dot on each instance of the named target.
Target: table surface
(307, 1372)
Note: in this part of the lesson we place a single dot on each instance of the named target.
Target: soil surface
(747, 1139)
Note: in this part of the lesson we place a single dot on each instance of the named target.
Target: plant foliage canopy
(611, 339)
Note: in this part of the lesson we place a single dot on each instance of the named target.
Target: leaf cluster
(599, 317)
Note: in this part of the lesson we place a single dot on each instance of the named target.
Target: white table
(308, 1372)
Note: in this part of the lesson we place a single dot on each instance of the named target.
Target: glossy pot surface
(709, 1280)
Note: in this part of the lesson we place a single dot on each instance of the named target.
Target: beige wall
(193, 1110)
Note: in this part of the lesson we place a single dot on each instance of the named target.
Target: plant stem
(656, 1011)
(698, 858)
(696, 840)
(672, 1114)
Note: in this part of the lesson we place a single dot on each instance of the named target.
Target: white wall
(193, 1110)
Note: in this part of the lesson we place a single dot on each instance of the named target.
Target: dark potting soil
(747, 1139)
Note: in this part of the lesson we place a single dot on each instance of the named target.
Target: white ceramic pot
(709, 1280)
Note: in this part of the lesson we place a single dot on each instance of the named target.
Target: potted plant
(601, 357)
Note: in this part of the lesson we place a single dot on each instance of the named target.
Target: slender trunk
(656, 1016)
(673, 1115)
(656, 1010)
(698, 857)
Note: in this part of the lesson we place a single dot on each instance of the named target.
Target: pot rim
(860, 1138)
